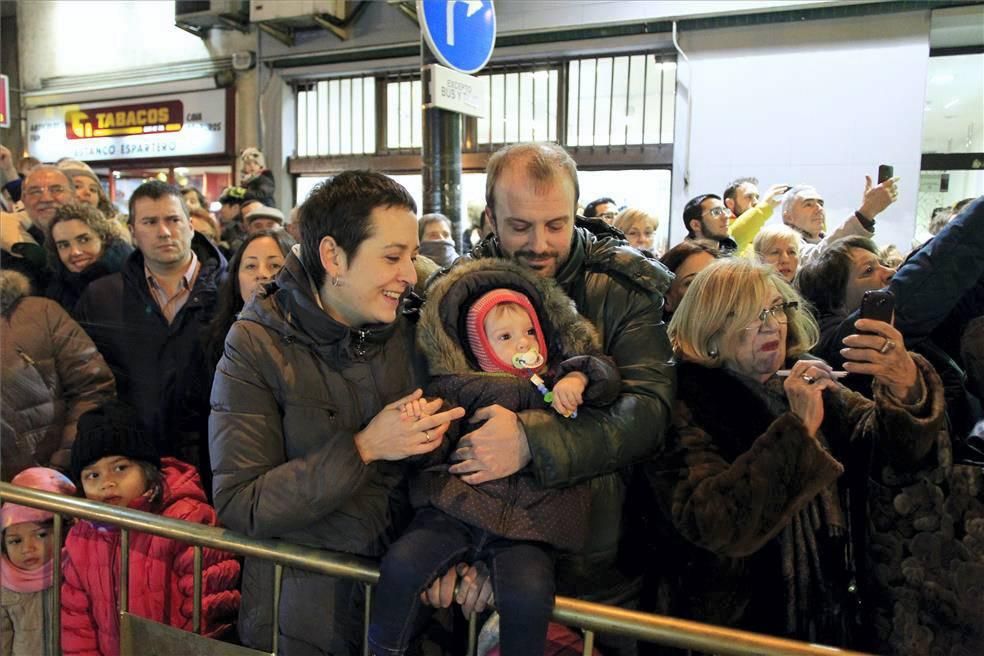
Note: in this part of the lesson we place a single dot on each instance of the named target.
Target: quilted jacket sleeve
(86, 379)
(732, 508)
(78, 626)
(220, 575)
(258, 491)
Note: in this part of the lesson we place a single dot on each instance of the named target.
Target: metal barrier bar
(572, 612)
(365, 620)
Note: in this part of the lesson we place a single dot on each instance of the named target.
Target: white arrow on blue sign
(460, 33)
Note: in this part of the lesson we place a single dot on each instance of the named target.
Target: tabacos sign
(125, 120)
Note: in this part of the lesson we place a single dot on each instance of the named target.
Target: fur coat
(741, 470)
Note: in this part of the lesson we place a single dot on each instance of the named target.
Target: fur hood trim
(441, 332)
(13, 287)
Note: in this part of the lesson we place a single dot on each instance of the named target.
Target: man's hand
(773, 195)
(474, 591)
(495, 450)
(877, 198)
(7, 167)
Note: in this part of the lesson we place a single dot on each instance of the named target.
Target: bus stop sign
(460, 33)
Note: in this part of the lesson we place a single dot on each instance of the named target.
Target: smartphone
(878, 304)
(885, 172)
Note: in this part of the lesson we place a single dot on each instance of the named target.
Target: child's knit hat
(112, 429)
(478, 340)
(37, 478)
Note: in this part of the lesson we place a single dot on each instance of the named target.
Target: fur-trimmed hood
(13, 287)
(441, 332)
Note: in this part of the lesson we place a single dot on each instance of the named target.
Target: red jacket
(161, 573)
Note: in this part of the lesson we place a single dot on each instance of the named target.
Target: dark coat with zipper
(515, 507)
(52, 374)
(620, 291)
(160, 369)
(290, 393)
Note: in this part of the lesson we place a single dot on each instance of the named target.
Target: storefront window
(953, 138)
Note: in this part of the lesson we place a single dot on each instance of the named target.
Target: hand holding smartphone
(878, 304)
(885, 172)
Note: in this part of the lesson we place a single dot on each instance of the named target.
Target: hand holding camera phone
(878, 304)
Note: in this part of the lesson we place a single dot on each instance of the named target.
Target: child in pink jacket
(115, 462)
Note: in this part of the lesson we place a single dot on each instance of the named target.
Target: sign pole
(441, 173)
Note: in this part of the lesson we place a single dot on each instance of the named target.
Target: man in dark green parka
(531, 196)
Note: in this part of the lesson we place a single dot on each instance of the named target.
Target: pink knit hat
(37, 478)
(478, 340)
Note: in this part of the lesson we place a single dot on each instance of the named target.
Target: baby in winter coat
(26, 566)
(115, 462)
(519, 336)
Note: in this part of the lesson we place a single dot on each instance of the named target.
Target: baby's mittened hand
(568, 393)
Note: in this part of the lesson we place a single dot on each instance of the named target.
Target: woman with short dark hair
(306, 428)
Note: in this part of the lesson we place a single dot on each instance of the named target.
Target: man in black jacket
(149, 319)
(531, 198)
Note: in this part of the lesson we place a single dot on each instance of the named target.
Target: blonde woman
(779, 246)
(639, 228)
(762, 435)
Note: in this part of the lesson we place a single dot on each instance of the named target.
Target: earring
(336, 281)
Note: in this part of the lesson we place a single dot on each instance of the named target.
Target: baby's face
(28, 545)
(510, 331)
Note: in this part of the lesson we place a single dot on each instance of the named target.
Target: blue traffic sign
(460, 33)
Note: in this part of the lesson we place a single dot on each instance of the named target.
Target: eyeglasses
(717, 212)
(37, 192)
(780, 312)
(607, 215)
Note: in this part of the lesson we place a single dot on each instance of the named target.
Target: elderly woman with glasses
(755, 517)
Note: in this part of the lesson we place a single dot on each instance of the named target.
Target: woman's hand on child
(568, 393)
(394, 434)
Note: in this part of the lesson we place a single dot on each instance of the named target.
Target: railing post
(278, 577)
(365, 621)
(54, 641)
(588, 643)
(124, 570)
(472, 634)
(196, 614)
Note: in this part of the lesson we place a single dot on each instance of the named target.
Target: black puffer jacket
(160, 368)
(290, 393)
(621, 293)
(514, 507)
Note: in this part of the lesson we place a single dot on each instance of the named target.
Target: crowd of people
(717, 432)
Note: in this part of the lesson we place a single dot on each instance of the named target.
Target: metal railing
(592, 618)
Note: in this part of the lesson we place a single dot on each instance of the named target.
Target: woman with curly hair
(85, 246)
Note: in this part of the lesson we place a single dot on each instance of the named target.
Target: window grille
(336, 117)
